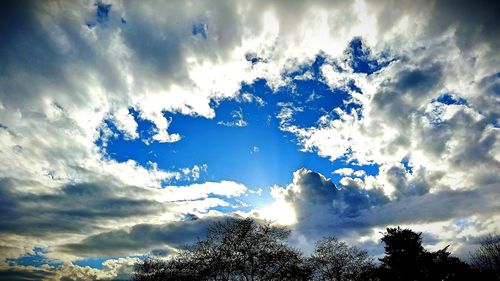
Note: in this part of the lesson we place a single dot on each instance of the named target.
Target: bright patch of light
(279, 212)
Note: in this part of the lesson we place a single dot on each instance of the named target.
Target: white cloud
(344, 171)
(400, 118)
(196, 191)
(125, 122)
(238, 120)
(359, 173)
(254, 149)
(247, 97)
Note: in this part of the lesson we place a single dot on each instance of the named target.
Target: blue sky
(257, 154)
(127, 128)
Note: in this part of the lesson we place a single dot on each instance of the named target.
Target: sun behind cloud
(279, 212)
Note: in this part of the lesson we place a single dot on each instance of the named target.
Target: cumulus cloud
(113, 269)
(344, 171)
(407, 114)
(126, 123)
(352, 210)
(321, 206)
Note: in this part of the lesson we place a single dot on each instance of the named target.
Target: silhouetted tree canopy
(334, 260)
(487, 257)
(403, 252)
(406, 260)
(238, 249)
(244, 249)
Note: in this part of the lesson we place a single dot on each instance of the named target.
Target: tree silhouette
(403, 252)
(238, 249)
(246, 250)
(336, 261)
(406, 259)
(487, 257)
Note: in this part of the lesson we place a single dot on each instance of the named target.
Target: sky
(128, 127)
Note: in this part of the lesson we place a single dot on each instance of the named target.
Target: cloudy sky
(127, 127)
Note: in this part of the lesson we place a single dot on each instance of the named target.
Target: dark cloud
(323, 209)
(433, 207)
(74, 208)
(488, 101)
(419, 81)
(474, 22)
(142, 238)
(398, 177)
(61, 55)
(398, 98)
(157, 49)
(25, 274)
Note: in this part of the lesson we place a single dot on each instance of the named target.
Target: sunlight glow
(279, 212)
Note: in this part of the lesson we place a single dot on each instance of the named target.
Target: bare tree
(487, 256)
(238, 249)
(336, 261)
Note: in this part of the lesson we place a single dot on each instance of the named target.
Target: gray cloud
(418, 185)
(350, 210)
(141, 238)
(432, 207)
(322, 208)
(61, 56)
(450, 144)
(77, 208)
(86, 208)
(475, 23)
(472, 23)
(15, 274)
(398, 99)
